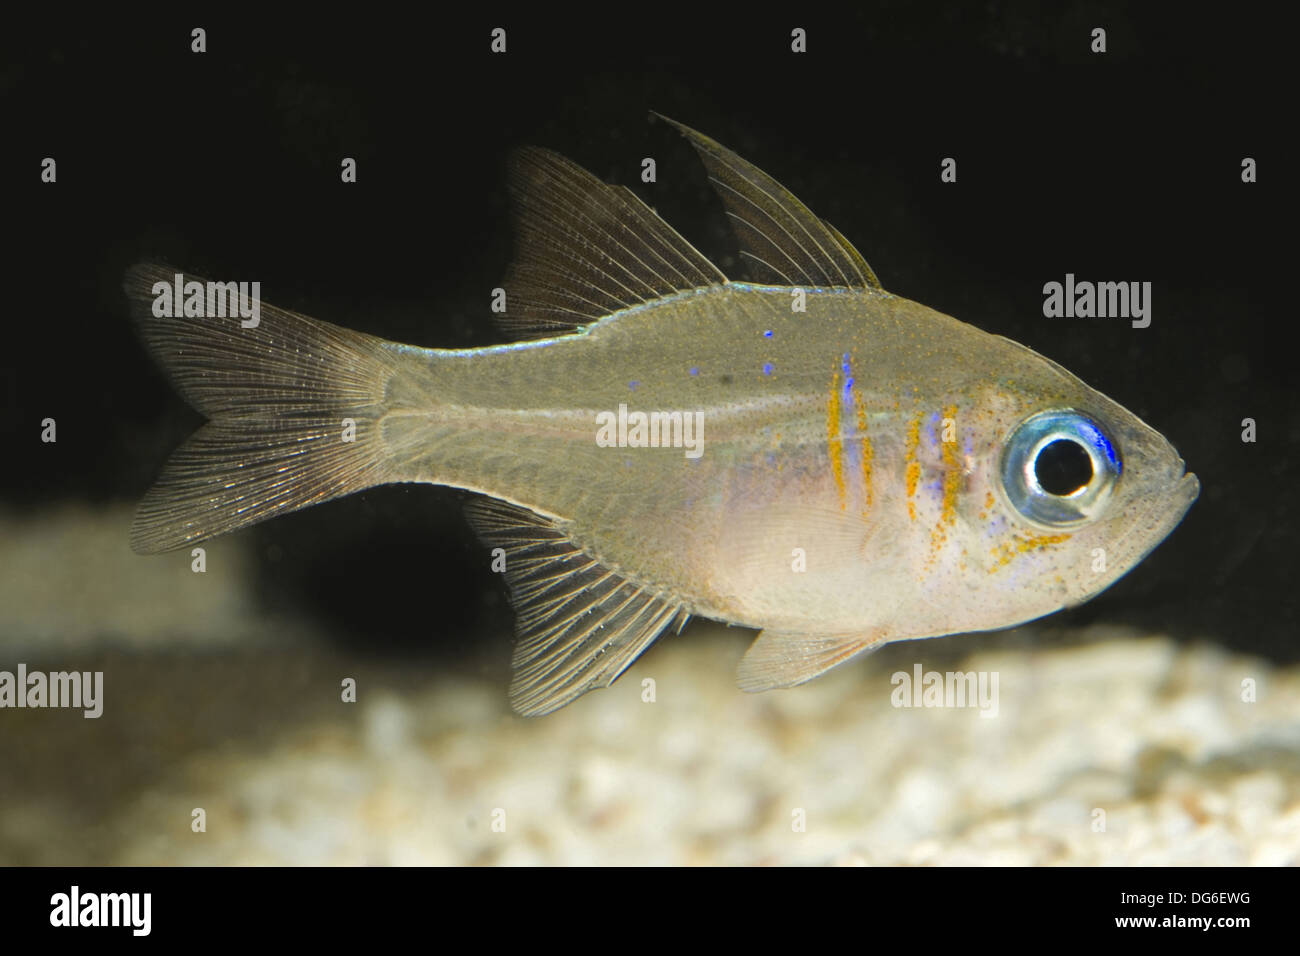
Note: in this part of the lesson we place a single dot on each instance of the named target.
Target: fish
(797, 451)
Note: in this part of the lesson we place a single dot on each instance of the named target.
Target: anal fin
(778, 659)
(579, 623)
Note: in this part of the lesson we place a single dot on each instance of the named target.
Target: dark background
(1124, 166)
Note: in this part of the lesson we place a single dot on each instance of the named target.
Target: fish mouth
(1163, 514)
(1184, 486)
(1166, 511)
(1183, 490)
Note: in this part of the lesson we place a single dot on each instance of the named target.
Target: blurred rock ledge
(1152, 733)
(71, 582)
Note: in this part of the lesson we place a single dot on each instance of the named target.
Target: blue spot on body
(767, 334)
(933, 432)
(695, 370)
(767, 369)
(633, 385)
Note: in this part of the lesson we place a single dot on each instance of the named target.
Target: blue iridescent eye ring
(1042, 440)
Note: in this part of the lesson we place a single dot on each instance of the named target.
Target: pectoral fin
(778, 659)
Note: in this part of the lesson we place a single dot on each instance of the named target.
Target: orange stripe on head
(834, 441)
(1023, 543)
(953, 474)
(913, 466)
(868, 453)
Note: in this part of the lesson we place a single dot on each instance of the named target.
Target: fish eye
(1058, 468)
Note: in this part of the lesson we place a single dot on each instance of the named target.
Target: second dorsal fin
(585, 249)
(778, 235)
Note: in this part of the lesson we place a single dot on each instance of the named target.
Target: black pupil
(1063, 467)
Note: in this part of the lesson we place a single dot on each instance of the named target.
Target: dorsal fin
(580, 624)
(585, 249)
(779, 236)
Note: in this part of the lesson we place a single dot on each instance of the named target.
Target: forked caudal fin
(293, 405)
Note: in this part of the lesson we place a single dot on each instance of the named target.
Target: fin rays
(777, 659)
(772, 226)
(586, 249)
(278, 396)
(580, 624)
